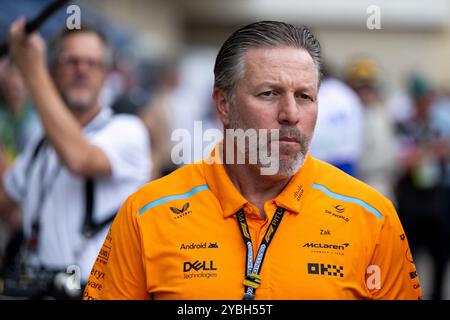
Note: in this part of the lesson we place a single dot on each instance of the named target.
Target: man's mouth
(80, 84)
(288, 140)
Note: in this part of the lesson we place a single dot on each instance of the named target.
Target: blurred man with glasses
(71, 179)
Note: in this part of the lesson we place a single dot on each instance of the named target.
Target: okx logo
(325, 269)
(181, 212)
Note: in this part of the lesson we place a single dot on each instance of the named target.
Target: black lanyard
(98, 123)
(252, 278)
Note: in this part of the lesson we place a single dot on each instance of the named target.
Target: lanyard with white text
(253, 268)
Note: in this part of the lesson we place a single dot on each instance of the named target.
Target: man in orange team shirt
(225, 230)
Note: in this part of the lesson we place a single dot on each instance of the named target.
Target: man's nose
(288, 113)
(83, 66)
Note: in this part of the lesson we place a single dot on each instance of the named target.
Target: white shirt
(46, 184)
(377, 165)
(338, 135)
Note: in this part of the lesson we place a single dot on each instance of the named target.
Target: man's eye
(304, 96)
(267, 93)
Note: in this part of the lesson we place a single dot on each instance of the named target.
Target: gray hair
(56, 43)
(229, 66)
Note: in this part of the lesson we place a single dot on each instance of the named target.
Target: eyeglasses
(73, 61)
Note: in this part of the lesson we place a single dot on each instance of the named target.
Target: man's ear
(222, 104)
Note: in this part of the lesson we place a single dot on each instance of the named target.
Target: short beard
(77, 105)
(286, 167)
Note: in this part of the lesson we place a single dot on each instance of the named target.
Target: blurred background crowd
(384, 101)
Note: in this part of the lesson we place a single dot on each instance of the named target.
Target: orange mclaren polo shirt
(178, 238)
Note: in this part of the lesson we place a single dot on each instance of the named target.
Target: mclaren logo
(181, 212)
(326, 246)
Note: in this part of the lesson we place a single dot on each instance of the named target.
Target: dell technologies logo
(199, 265)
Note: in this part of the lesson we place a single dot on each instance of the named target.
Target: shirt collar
(99, 121)
(291, 198)
(293, 195)
(221, 185)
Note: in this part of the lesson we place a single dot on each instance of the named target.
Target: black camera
(40, 284)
